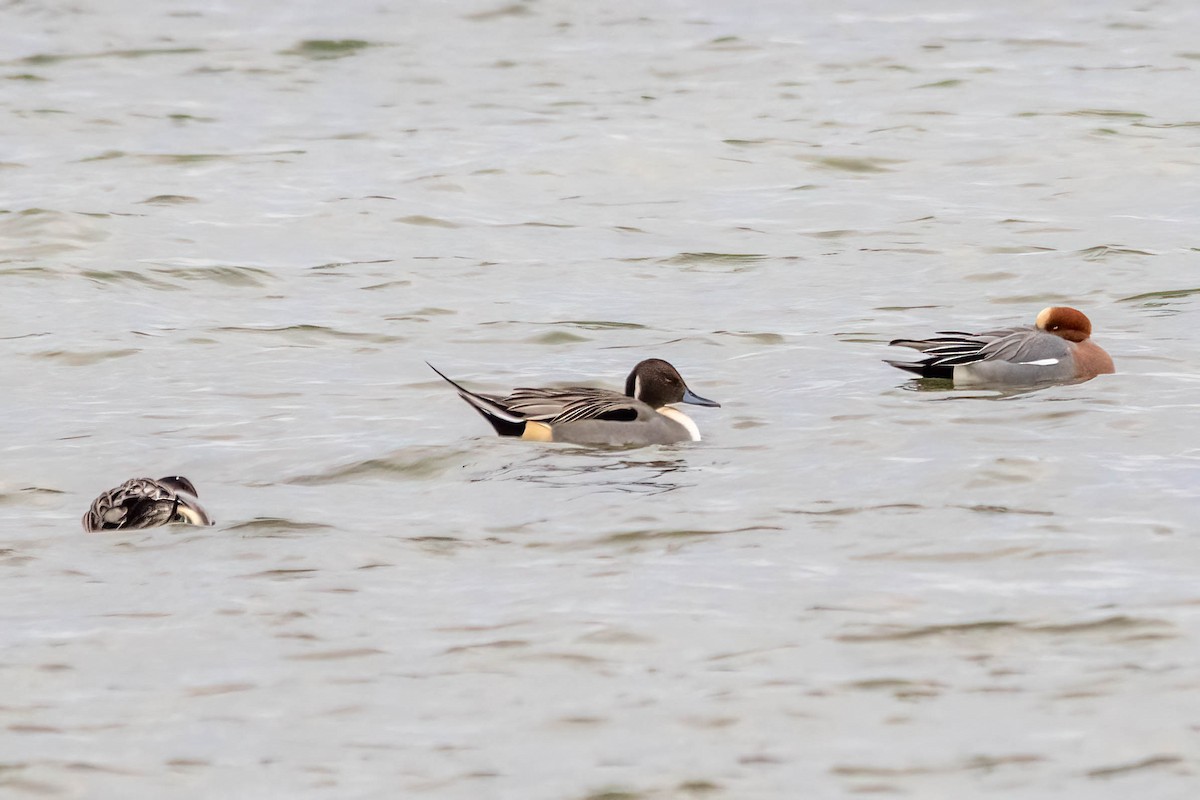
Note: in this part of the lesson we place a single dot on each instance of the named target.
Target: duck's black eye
(179, 518)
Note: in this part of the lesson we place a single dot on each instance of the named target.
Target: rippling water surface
(231, 237)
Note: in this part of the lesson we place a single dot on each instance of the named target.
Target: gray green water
(230, 237)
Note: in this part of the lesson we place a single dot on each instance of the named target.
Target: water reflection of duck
(1057, 348)
(583, 415)
(146, 503)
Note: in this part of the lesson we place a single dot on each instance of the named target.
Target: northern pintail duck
(146, 503)
(583, 415)
(1057, 348)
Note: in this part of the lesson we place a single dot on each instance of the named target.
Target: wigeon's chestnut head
(1069, 323)
(1057, 349)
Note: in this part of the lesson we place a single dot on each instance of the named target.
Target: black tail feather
(504, 422)
(926, 368)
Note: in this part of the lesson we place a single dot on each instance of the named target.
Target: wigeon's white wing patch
(1041, 362)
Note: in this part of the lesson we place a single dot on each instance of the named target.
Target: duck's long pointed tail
(504, 421)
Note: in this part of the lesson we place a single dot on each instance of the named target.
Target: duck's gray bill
(691, 397)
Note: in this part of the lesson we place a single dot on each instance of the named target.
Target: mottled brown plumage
(146, 503)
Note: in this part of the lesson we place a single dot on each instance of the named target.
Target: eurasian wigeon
(583, 415)
(1055, 349)
(146, 503)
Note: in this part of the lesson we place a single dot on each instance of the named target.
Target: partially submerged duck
(583, 415)
(1057, 348)
(146, 503)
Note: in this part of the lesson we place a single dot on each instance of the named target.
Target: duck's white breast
(683, 419)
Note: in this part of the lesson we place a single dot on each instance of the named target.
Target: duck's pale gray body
(1057, 348)
(590, 416)
(1020, 355)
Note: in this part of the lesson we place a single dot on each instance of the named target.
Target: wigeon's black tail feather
(943, 353)
(504, 421)
(926, 369)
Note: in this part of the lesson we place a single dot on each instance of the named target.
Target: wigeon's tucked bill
(582, 415)
(146, 503)
(1057, 348)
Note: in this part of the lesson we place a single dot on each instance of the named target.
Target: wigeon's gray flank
(146, 503)
(1057, 348)
(584, 415)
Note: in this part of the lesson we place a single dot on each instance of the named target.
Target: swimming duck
(1057, 348)
(582, 415)
(146, 503)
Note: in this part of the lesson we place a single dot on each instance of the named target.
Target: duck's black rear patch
(618, 415)
(503, 426)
